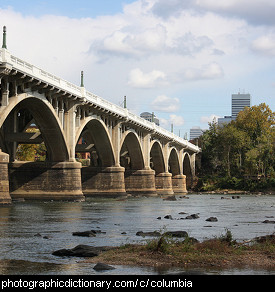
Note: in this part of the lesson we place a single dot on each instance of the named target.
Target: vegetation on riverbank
(219, 184)
(239, 155)
(222, 252)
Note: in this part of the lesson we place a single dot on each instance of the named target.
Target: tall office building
(150, 117)
(239, 102)
(195, 132)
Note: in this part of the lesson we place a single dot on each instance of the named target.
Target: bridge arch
(45, 119)
(157, 158)
(187, 170)
(95, 135)
(173, 162)
(131, 155)
(139, 180)
(101, 177)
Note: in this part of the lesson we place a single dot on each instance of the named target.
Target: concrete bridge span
(127, 154)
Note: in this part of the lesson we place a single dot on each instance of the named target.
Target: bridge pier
(164, 183)
(140, 182)
(46, 180)
(5, 197)
(103, 181)
(179, 184)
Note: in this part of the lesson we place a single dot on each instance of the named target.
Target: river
(31, 230)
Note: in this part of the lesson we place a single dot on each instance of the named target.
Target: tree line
(240, 154)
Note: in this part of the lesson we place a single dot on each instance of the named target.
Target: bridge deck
(87, 97)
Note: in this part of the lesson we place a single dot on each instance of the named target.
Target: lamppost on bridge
(82, 79)
(4, 45)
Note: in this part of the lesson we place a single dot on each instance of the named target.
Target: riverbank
(234, 192)
(221, 253)
(218, 184)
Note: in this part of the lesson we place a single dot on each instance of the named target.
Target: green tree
(258, 122)
(243, 147)
(31, 152)
(233, 143)
(209, 145)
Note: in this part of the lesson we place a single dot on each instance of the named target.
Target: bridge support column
(179, 184)
(103, 181)
(140, 182)
(5, 197)
(46, 180)
(164, 183)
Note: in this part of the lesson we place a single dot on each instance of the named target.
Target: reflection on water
(31, 231)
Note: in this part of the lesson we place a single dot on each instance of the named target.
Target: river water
(31, 230)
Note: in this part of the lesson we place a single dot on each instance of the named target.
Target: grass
(221, 252)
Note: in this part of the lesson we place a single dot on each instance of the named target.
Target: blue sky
(70, 8)
(180, 59)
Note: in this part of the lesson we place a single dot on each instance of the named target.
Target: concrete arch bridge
(127, 153)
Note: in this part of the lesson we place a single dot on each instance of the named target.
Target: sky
(181, 59)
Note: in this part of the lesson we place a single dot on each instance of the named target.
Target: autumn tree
(31, 152)
(244, 147)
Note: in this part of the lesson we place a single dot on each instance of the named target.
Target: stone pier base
(5, 197)
(140, 182)
(179, 184)
(164, 183)
(46, 180)
(103, 181)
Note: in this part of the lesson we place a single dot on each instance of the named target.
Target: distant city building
(150, 117)
(195, 132)
(224, 120)
(238, 103)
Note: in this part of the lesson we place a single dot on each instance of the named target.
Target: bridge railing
(35, 72)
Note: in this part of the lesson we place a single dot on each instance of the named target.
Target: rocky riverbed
(35, 230)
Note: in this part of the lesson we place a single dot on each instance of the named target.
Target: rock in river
(170, 198)
(192, 216)
(212, 219)
(150, 233)
(269, 221)
(168, 217)
(88, 233)
(81, 251)
(176, 233)
(168, 233)
(102, 267)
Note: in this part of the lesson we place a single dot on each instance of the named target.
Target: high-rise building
(195, 132)
(239, 102)
(150, 117)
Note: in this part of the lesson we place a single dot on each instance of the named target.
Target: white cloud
(166, 9)
(133, 41)
(265, 45)
(164, 47)
(209, 71)
(152, 79)
(176, 120)
(256, 11)
(190, 44)
(210, 119)
(164, 103)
